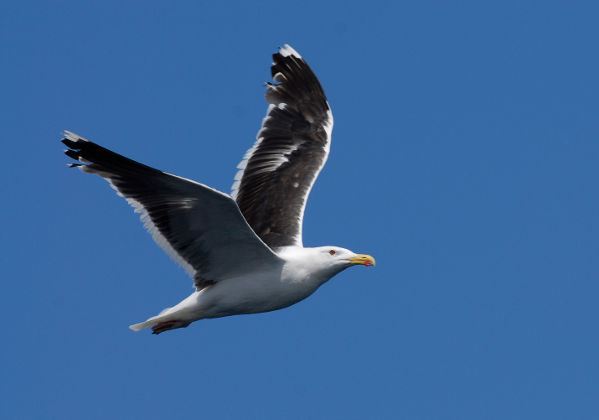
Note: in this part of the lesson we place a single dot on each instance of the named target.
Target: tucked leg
(169, 325)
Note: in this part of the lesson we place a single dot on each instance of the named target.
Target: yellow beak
(362, 259)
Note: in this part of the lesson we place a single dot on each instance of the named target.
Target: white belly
(253, 293)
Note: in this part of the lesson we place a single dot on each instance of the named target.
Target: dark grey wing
(199, 227)
(277, 173)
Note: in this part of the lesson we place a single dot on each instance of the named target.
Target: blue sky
(464, 158)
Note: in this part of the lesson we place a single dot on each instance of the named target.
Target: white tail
(151, 321)
(142, 325)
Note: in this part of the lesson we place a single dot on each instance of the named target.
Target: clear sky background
(464, 158)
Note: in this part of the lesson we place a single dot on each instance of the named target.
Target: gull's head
(337, 259)
(323, 262)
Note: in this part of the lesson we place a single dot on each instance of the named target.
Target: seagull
(244, 251)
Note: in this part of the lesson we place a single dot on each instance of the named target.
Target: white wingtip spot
(73, 137)
(287, 50)
(69, 135)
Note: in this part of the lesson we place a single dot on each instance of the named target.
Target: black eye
(332, 252)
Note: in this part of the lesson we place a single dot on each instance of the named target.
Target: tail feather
(161, 322)
(142, 325)
(150, 321)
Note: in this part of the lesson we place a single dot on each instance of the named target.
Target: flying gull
(244, 250)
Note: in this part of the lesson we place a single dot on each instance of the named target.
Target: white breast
(256, 292)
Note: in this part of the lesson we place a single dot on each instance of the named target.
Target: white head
(333, 259)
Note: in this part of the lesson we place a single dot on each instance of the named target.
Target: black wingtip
(72, 154)
(69, 143)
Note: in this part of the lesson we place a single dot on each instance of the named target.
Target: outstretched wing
(277, 173)
(199, 227)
